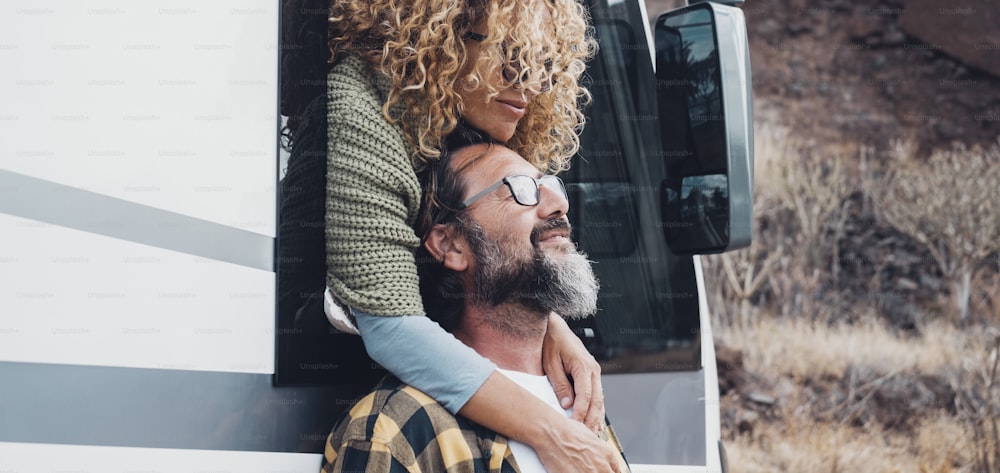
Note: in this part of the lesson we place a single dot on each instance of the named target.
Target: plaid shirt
(397, 428)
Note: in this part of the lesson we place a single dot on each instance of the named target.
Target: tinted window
(648, 308)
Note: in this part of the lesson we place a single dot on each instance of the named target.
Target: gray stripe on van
(58, 204)
(161, 408)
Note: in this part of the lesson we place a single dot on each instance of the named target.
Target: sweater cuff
(337, 314)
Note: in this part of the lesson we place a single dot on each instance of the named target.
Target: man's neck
(513, 344)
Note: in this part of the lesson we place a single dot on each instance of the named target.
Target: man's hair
(420, 45)
(441, 288)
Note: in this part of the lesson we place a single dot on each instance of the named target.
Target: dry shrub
(734, 279)
(950, 204)
(803, 211)
(811, 190)
(978, 402)
(800, 206)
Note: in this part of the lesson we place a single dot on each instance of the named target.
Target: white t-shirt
(540, 386)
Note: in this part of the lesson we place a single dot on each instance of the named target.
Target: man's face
(522, 253)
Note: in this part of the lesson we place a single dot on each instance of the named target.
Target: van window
(648, 317)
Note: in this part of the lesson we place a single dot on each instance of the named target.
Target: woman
(405, 74)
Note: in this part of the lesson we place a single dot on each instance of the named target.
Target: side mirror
(706, 128)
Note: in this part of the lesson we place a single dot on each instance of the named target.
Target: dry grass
(804, 348)
(867, 374)
(941, 445)
(794, 435)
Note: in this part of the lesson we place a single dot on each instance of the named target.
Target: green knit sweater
(372, 197)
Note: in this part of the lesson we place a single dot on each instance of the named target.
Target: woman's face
(497, 116)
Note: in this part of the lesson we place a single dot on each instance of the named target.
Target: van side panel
(138, 178)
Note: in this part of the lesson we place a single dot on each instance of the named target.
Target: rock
(729, 365)
(879, 61)
(970, 101)
(769, 26)
(761, 398)
(796, 29)
(906, 284)
(930, 282)
(893, 37)
(861, 25)
(964, 29)
(746, 421)
(795, 90)
(949, 131)
(896, 310)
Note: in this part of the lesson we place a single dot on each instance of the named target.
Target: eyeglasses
(512, 70)
(525, 189)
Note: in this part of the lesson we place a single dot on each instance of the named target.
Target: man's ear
(446, 245)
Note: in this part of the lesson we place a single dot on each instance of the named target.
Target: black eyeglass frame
(538, 182)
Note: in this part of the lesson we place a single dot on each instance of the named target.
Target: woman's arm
(564, 354)
(422, 354)
(562, 444)
(372, 199)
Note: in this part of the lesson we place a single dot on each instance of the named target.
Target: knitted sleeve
(372, 199)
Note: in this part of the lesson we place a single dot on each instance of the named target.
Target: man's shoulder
(416, 431)
(398, 400)
(394, 408)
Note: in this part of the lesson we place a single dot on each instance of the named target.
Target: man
(497, 260)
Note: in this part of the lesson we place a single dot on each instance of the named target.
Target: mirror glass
(697, 215)
(695, 199)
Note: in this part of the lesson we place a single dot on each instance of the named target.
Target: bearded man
(496, 261)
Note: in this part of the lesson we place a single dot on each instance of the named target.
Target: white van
(155, 314)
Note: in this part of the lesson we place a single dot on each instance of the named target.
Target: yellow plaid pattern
(399, 429)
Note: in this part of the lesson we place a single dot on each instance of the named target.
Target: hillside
(848, 337)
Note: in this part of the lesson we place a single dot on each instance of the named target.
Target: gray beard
(520, 290)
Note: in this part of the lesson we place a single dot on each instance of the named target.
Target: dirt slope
(862, 72)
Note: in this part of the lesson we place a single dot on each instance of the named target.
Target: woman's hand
(570, 447)
(562, 444)
(564, 354)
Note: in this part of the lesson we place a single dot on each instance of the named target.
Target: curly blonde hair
(420, 45)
